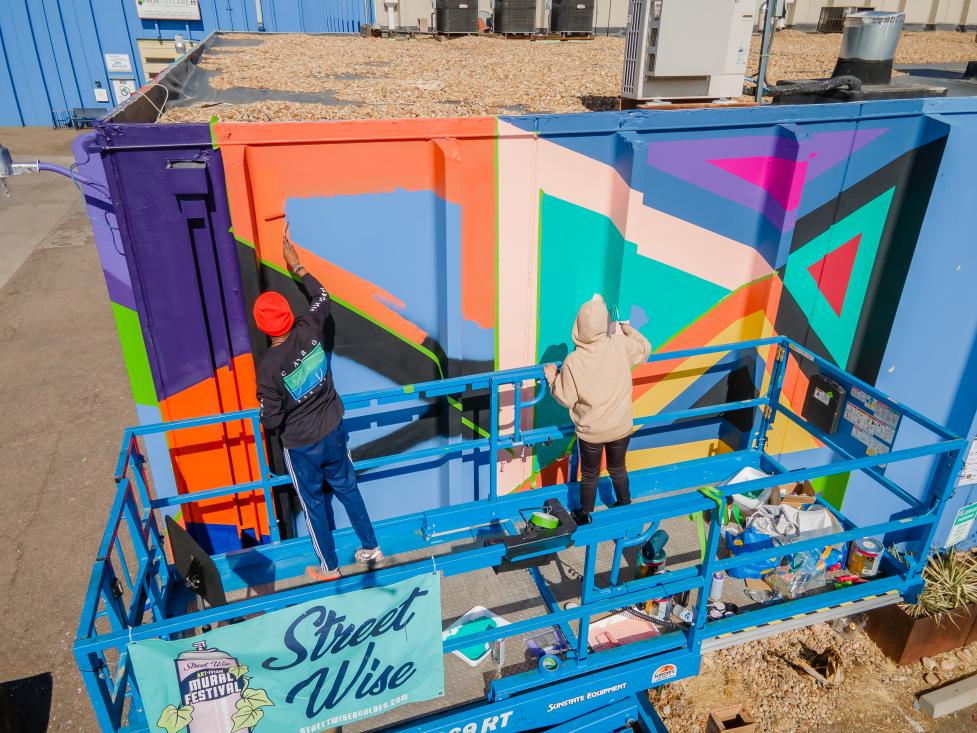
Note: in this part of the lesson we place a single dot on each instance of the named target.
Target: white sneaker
(372, 556)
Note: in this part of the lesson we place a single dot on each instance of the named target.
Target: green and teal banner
(301, 669)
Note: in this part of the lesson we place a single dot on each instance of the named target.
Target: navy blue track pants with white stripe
(329, 461)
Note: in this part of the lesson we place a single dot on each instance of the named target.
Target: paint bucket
(650, 566)
(864, 557)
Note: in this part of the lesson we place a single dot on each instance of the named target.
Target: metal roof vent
(514, 17)
(572, 16)
(457, 16)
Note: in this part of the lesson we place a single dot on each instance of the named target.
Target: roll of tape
(544, 520)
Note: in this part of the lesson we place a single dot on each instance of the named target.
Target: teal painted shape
(672, 298)
(838, 332)
(581, 253)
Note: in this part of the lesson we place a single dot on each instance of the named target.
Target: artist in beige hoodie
(594, 383)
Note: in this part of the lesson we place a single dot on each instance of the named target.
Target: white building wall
(940, 13)
(803, 14)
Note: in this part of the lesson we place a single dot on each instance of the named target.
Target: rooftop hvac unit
(686, 49)
(572, 16)
(832, 20)
(457, 16)
(514, 16)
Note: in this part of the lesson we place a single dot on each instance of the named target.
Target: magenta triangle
(781, 178)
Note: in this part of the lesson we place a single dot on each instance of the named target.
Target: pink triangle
(832, 273)
(782, 178)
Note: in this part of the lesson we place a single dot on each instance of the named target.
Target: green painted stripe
(832, 488)
(134, 354)
(213, 135)
(468, 423)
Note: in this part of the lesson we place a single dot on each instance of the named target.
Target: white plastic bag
(753, 500)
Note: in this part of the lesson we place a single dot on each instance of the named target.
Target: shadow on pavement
(25, 704)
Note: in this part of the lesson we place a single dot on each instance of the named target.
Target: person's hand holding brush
(290, 255)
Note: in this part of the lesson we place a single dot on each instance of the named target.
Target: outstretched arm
(319, 302)
(637, 345)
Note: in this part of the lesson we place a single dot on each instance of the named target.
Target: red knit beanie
(272, 314)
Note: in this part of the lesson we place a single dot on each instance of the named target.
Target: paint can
(658, 608)
(716, 587)
(206, 683)
(864, 557)
(650, 566)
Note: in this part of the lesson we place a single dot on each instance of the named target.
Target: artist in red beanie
(297, 397)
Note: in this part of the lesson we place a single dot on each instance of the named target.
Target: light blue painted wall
(930, 362)
(52, 51)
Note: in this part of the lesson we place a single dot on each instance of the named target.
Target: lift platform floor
(514, 596)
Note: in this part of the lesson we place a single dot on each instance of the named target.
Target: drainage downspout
(766, 44)
(259, 14)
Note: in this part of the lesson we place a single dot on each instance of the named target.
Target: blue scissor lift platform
(134, 593)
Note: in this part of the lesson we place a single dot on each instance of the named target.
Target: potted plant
(944, 616)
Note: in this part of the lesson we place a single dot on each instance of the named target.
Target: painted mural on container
(454, 247)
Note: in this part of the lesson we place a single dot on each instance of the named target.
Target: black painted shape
(912, 175)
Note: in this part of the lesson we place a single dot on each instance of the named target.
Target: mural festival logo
(306, 668)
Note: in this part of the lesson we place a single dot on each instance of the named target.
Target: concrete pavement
(64, 399)
(38, 203)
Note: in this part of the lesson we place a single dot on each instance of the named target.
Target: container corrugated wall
(456, 246)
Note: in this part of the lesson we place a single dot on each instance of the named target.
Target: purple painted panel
(104, 225)
(168, 183)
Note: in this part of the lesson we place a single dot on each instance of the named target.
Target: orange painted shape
(211, 456)
(745, 301)
(373, 301)
(794, 391)
(266, 165)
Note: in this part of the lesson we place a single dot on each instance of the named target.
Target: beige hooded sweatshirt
(595, 380)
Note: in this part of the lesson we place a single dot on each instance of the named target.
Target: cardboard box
(730, 719)
(796, 495)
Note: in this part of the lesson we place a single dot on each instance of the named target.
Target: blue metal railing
(138, 610)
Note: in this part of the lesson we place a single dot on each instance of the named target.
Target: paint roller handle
(290, 255)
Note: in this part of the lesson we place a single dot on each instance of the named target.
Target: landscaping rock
(376, 78)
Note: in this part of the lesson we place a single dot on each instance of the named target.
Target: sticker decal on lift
(665, 672)
(589, 696)
(487, 724)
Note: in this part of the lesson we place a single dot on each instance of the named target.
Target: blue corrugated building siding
(52, 52)
(332, 16)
